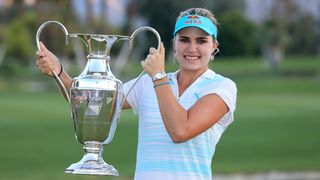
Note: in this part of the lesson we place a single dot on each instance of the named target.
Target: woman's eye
(184, 40)
(202, 41)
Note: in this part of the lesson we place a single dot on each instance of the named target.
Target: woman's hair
(201, 12)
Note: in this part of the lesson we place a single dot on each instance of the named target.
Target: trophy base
(92, 162)
(102, 170)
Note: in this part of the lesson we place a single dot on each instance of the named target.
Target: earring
(212, 57)
(215, 51)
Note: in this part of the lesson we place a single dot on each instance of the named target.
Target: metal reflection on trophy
(96, 97)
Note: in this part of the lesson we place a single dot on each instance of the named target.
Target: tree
(237, 35)
(274, 36)
(162, 16)
(304, 35)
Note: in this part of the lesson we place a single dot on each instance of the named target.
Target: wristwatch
(158, 76)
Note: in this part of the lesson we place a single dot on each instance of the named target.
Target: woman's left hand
(154, 62)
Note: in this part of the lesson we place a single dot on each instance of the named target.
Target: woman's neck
(186, 78)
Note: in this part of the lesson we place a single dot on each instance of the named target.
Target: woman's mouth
(192, 57)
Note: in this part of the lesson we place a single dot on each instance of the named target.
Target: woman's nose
(192, 46)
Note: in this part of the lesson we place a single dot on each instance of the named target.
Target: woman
(182, 115)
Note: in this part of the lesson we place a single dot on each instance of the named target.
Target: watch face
(159, 76)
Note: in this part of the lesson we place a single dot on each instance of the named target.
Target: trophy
(96, 97)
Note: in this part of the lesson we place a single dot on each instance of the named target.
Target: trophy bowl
(95, 105)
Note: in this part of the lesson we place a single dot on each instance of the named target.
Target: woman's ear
(215, 44)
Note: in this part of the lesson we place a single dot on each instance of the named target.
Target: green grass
(276, 127)
(38, 140)
(272, 132)
(277, 118)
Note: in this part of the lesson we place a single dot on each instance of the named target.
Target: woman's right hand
(47, 62)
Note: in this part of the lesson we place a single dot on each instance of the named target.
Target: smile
(192, 57)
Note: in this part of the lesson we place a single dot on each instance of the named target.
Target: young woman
(183, 114)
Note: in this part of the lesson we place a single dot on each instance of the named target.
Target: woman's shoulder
(218, 81)
(225, 79)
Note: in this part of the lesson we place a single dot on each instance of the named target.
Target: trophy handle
(38, 46)
(143, 28)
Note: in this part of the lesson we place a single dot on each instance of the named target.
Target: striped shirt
(158, 157)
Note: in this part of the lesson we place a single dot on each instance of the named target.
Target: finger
(162, 49)
(38, 57)
(38, 65)
(40, 54)
(153, 50)
(51, 67)
(43, 65)
(42, 68)
(46, 71)
(39, 62)
(43, 60)
(47, 59)
(47, 68)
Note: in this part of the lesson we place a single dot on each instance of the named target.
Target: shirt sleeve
(227, 90)
(133, 95)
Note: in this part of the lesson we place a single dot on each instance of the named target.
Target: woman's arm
(182, 124)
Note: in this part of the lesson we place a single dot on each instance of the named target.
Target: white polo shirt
(158, 158)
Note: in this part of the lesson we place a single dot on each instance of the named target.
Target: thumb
(43, 47)
(162, 49)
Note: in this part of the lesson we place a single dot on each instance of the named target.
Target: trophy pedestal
(92, 162)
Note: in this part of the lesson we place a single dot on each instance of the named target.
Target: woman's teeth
(192, 57)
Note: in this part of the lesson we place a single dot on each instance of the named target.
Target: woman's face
(194, 48)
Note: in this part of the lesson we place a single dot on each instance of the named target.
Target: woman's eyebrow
(185, 37)
(202, 38)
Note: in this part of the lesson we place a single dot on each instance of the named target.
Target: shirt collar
(208, 74)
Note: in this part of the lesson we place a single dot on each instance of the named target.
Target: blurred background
(270, 48)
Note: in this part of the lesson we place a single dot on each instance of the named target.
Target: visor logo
(193, 19)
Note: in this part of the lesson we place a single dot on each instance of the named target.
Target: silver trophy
(96, 97)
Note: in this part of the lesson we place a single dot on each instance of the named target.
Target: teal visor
(200, 22)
